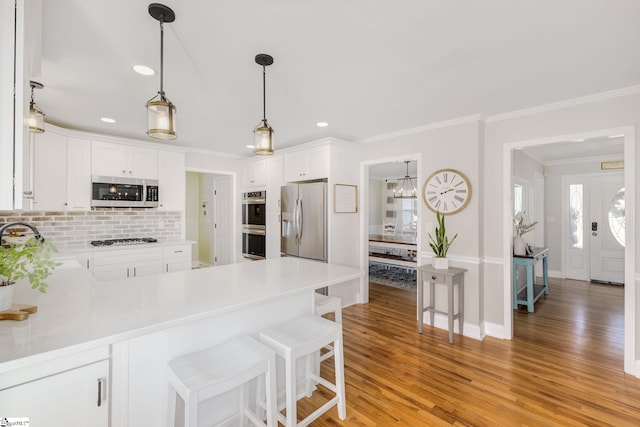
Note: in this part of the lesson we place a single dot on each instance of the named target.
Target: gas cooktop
(124, 242)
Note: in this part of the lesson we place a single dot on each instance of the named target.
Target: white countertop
(88, 248)
(79, 312)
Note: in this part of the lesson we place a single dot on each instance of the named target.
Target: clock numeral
(438, 204)
(432, 199)
(460, 199)
(445, 177)
(438, 179)
(461, 191)
(445, 208)
(460, 183)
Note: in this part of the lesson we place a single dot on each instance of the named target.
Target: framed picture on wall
(345, 198)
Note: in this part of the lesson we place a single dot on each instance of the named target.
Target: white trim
(441, 321)
(602, 96)
(493, 330)
(582, 160)
(555, 274)
(423, 128)
(428, 257)
(630, 251)
(491, 260)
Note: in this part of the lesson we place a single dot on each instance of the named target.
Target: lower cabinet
(127, 263)
(58, 395)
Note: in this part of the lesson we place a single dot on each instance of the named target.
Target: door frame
(363, 294)
(235, 202)
(630, 250)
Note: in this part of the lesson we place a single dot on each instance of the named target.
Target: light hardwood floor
(563, 367)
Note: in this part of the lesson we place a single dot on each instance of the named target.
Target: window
(616, 216)
(576, 216)
(404, 212)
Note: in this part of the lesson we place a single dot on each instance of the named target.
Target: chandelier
(407, 188)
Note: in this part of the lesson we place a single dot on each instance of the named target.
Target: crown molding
(424, 128)
(632, 90)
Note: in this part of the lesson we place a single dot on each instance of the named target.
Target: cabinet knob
(433, 277)
(124, 171)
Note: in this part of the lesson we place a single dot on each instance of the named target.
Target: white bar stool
(200, 376)
(305, 336)
(324, 304)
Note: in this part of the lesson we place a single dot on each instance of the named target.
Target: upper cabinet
(254, 173)
(110, 159)
(172, 180)
(61, 173)
(306, 165)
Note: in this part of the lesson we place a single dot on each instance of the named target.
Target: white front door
(606, 228)
(223, 223)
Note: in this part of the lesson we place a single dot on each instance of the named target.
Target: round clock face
(447, 191)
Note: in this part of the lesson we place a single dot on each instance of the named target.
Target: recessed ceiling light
(144, 70)
(108, 119)
(579, 140)
(322, 124)
(617, 136)
(251, 146)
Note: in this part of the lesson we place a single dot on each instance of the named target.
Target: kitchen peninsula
(117, 336)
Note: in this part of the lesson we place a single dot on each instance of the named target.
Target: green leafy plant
(441, 243)
(30, 260)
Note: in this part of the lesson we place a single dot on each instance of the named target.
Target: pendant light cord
(161, 58)
(264, 94)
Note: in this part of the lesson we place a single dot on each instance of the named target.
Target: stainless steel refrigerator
(304, 220)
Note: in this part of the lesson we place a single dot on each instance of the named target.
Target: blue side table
(530, 293)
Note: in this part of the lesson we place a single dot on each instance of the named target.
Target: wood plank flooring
(563, 367)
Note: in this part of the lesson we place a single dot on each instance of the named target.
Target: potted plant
(523, 226)
(30, 260)
(440, 245)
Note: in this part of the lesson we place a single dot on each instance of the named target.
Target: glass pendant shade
(263, 139)
(161, 119)
(35, 119)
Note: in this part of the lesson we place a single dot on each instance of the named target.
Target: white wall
(377, 204)
(456, 147)
(604, 112)
(192, 225)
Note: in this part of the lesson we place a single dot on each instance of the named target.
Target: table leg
(461, 305)
(420, 301)
(515, 286)
(432, 301)
(450, 313)
(545, 277)
(530, 282)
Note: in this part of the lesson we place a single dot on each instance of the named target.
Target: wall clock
(447, 191)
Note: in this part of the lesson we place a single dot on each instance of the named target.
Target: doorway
(628, 136)
(209, 218)
(390, 225)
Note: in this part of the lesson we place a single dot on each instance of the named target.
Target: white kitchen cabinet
(126, 263)
(49, 172)
(85, 260)
(177, 258)
(110, 159)
(71, 391)
(78, 174)
(306, 165)
(274, 174)
(172, 180)
(253, 173)
(61, 173)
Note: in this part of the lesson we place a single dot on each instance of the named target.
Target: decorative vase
(441, 263)
(519, 246)
(6, 296)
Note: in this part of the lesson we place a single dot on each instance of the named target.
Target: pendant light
(407, 187)
(161, 113)
(36, 116)
(263, 133)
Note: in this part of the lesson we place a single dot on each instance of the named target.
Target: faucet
(36, 233)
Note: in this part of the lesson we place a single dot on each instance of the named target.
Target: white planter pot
(441, 263)
(6, 297)
(519, 246)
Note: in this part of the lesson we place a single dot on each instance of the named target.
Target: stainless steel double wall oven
(254, 219)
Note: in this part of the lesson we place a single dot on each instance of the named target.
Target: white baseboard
(441, 321)
(494, 330)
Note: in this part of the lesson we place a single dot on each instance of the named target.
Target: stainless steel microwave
(122, 192)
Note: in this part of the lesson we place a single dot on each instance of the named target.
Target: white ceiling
(367, 67)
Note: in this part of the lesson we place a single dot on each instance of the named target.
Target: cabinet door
(177, 258)
(177, 264)
(253, 173)
(49, 172)
(274, 182)
(111, 271)
(86, 261)
(172, 180)
(66, 399)
(295, 166)
(108, 159)
(317, 163)
(145, 268)
(272, 245)
(78, 174)
(142, 163)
